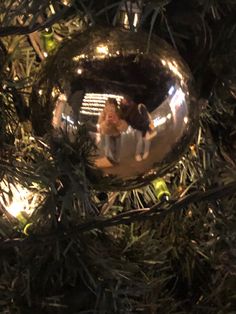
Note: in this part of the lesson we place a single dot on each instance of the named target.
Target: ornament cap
(130, 15)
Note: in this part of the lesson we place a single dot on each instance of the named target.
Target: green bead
(49, 42)
(22, 218)
(27, 228)
(161, 189)
(23, 222)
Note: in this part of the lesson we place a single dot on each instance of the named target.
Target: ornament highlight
(137, 103)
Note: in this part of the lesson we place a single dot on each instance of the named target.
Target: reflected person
(137, 116)
(111, 126)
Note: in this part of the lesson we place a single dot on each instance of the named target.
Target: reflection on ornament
(190, 214)
(66, 2)
(139, 107)
(93, 103)
(130, 14)
(185, 120)
(79, 71)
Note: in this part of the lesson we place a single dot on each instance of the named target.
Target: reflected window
(93, 103)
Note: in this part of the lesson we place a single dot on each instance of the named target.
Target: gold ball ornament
(137, 102)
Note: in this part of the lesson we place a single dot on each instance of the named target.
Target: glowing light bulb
(18, 201)
(102, 49)
(79, 71)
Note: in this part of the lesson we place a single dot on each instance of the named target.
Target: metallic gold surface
(136, 100)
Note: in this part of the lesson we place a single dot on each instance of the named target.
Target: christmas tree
(74, 240)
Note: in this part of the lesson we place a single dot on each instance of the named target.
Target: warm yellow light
(17, 199)
(78, 57)
(136, 19)
(17, 206)
(79, 71)
(185, 120)
(175, 69)
(62, 97)
(159, 121)
(102, 49)
(65, 2)
(52, 8)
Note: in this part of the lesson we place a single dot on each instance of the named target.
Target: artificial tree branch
(23, 30)
(158, 212)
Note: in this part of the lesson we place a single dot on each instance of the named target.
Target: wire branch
(23, 30)
(157, 211)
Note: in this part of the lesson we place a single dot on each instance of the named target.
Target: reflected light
(129, 130)
(93, 103)
(52, 8)
(55, 91)
(185, 120)
(79, 71)
(66, 2)
(62, 97)
(163, 61)
(177, 100)
(190, 214)
(174, 68)
(168, 116)
(102, 49)
(171, 90)
(78, 57)
(159, 121)
(210, 210)
(67, 119)
(58, 111)
(135, 20)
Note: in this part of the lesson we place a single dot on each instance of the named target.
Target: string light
(102, 49)
(18, 201)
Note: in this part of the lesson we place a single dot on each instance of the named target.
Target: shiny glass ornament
(135, 97)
